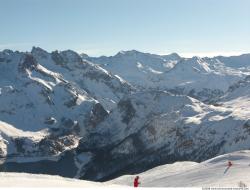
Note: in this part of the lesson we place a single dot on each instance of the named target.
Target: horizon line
(92, 53)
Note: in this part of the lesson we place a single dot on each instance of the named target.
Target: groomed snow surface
(211, 173)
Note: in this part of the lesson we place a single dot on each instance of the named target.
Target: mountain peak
(84, 55)
(7, 51)
(37, 51)
(71, 56)
(175, 55)
(128, 52)
(172, 56)
(66, 56)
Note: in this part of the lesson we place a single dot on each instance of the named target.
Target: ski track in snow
(210, 173)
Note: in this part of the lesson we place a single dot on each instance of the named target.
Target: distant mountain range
(194, 76)
(97, 118)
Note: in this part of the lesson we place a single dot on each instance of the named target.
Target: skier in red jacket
(229, 164)
(136, 181)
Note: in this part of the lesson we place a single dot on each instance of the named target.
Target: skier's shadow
(226, 169)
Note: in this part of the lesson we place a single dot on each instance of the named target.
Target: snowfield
(36, 180)
(211, 173)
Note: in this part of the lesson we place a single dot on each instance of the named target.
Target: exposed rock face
(128, 110)
(28, 63)
(98, 114)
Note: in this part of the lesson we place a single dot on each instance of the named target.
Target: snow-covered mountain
(50, 101)
(135, 59)
(239, 62)
(240, 89)
(202, 78)
(152, 128)
(106, 88)
(64, 115)
(140, 69)
(42, 115)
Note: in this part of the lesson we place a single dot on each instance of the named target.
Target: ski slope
(38, 180)
(210, 173)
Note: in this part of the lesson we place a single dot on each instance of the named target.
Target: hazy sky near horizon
(104, 27)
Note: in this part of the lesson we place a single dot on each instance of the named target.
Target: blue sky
(104, 27)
